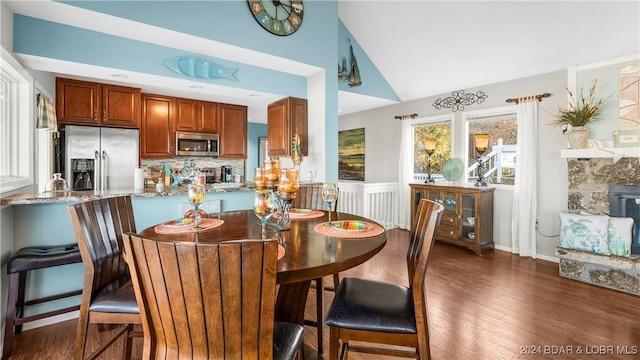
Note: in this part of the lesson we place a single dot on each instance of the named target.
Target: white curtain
(405, 175)
(525, 189)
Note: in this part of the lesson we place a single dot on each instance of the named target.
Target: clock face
(279, 17)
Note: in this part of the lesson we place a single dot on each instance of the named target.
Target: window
(501, 156)
(16, 124)
(440, 128)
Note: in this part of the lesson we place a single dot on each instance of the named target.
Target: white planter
(578, 137)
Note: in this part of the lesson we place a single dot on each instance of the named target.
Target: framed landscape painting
(351, 155)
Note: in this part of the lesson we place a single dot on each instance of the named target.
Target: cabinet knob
(451, 233)
(95, 116)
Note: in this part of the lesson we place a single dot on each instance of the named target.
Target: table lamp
(481, 144)
(429, 148)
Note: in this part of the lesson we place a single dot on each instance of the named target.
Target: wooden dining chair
(107, 293)
(310, 197)
(375, 313)
(209, 300)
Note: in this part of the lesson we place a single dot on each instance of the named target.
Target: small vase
(57, 183)
(578, 137)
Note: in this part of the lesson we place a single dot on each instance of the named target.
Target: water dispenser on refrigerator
(82, 174)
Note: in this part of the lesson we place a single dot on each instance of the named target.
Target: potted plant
(579, 112)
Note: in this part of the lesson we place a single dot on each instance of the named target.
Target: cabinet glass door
(468, 216)
(450, 202)
(435, 196)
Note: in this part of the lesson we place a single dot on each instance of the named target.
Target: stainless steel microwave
(197, 144)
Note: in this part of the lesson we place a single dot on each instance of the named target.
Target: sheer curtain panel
(525, 189)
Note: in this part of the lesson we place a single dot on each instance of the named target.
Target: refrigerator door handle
(103, 171)
(98, 172)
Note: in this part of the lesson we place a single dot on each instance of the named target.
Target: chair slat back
(310, 197)
(99, 225)
(205, 301)
(427, 219)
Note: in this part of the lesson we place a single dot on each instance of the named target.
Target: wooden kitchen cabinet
(467, 219)
(285, 118)
(157, 133)
(88, 103)
(232, 122)
(196, 116)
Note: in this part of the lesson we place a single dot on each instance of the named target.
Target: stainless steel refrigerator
(99, 158)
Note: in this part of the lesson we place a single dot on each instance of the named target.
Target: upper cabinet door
(186, 114)
(78, 102)
(285, 118)
(233, 131)
(120, 106)
(208, 117)
(196, 116)
(89, 103)
(157, 134)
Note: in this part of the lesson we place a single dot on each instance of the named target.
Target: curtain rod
(529, 98)
(406, 117)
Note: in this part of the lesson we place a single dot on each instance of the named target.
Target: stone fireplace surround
(589, 181)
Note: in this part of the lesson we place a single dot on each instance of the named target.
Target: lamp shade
(430, 145)
(482, 142)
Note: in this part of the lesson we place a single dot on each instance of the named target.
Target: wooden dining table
(308, 255)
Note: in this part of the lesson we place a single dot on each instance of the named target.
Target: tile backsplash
(152, 166)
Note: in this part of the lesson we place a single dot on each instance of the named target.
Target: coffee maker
(226, 174)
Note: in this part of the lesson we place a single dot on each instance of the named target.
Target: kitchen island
(43, 219)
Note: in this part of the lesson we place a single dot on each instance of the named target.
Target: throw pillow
(620, 236)
(585, 232)
(620, 233)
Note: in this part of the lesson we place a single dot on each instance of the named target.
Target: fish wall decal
(200, 68)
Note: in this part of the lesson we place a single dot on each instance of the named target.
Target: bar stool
(24, 260)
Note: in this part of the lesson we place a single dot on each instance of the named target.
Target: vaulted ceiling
(427, 48)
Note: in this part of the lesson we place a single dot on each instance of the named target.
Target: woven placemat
(327, 230)
(304, 214)
(186, 226)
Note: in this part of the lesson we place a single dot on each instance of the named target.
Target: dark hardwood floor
(497, 306)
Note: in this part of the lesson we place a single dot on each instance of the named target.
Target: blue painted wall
(91, 47)
(254, 132)
(373, 83)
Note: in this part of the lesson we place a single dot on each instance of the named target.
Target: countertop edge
(74, 196)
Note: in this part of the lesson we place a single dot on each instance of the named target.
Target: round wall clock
(279, 17)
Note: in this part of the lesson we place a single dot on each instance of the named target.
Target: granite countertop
(67, 196)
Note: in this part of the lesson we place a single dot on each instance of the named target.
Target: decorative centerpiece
(283, 185)
(579, 112)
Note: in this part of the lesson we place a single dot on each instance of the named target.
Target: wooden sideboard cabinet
(467, 219)
(88, 103)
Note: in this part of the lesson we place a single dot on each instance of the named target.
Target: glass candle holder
(273, 173)
(288, 184)
(259, 180)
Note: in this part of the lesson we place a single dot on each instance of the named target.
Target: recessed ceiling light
(253, 95)
(196, 86)
(120, 76)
